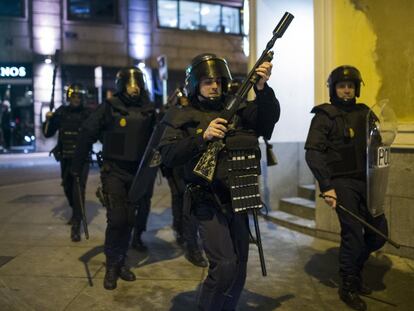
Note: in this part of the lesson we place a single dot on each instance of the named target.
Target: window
(231, 20)
(195, 15)
(167, 13)
(105, 11)
(12, 8)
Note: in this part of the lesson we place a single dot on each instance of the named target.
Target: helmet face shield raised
(344, 73)
(206, 66)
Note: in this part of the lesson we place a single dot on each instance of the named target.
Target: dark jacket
(183, 143)
(336, 143)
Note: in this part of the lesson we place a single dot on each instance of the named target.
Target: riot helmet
(73, 90)
(203, 66)
(344, 73)
(131, 77)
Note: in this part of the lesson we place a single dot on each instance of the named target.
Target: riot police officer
(68, 121)
(336, 155)
(125, 123)
(224, 233)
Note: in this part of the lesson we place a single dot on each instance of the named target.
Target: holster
(196, 194)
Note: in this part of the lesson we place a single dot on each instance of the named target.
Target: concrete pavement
(41, 269)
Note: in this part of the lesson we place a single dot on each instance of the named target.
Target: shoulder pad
(177, 116)
(362, 106)
(329, 109)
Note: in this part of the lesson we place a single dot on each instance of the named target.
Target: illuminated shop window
(105, 11)
(12, 8)
(195, 15)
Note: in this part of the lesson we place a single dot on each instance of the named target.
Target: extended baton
(82, 207)
(259, 242)
(362, 221)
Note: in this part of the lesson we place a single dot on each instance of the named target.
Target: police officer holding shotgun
(189, 131)
(336, 154)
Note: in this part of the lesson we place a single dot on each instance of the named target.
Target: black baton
(82, 207)
(259, 242)
(362, 221)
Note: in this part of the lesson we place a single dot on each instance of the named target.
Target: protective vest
(70, 124)
(238, 163)
(346, 153)
(127, 134)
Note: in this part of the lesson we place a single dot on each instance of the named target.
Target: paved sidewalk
(41, 269)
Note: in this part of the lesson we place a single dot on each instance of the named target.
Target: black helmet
(206, 65)
(344, 73)
(75, 88)
(129, 76)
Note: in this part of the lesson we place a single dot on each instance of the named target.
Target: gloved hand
(49, 114)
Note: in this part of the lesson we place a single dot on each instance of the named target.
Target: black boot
(137, 243)
(71, 220)
(363, 288)
(75, 231)
(126, 274)
(111, 276)
(195, 256)
(349, 293)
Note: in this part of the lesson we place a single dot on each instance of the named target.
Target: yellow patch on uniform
(199, 131)
(122, 122)
(351, 132)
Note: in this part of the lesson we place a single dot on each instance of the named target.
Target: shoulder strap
(329, 109)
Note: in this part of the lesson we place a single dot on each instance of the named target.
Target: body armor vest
(71, 122)
(128, 132)
(238, 163)
(346, 153)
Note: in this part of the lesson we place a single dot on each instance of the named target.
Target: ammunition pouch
(243, 165)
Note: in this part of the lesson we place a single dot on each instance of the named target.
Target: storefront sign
(15, 71)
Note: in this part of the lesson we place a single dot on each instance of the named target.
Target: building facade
(94, 39)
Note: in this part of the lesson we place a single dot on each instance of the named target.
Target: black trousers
(143, 208)
(357, 243)
(121, 213)
(70, 188)
(225, 238)
(182, 223)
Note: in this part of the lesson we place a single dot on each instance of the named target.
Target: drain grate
(37, 198)
(5, 259)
